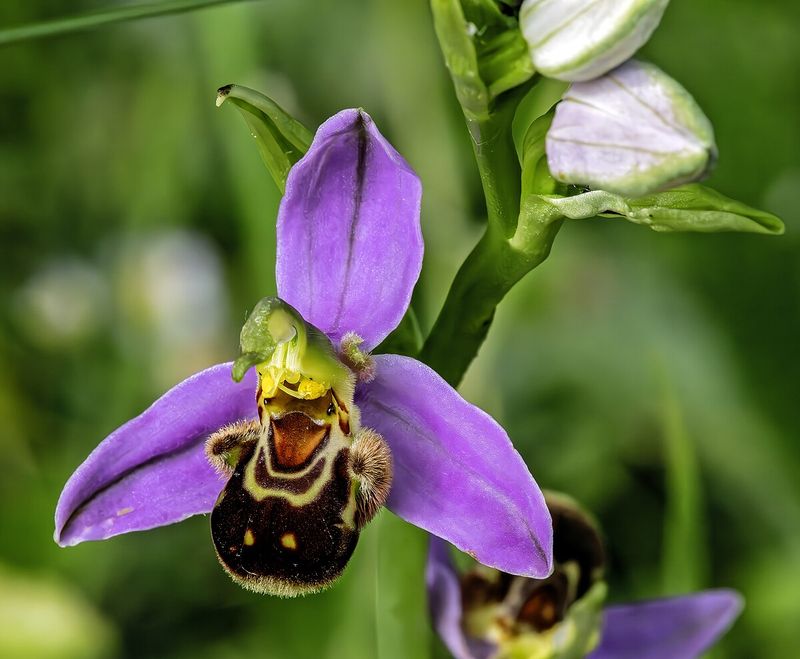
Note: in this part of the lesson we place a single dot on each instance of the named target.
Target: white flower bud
(577, 40)
(633, 131)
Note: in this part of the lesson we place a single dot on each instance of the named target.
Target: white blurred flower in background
(63, 303)
(171, 288)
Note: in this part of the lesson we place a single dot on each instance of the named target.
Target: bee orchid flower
(487, 614)
(300, 448)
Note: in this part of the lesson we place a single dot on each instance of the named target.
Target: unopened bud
(582, 39)
(634, 131)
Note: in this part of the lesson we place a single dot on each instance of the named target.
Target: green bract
(690, 207)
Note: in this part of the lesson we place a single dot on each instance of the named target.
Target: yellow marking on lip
(124, 511)
(336, 442)
(249, 538)
(289, 541)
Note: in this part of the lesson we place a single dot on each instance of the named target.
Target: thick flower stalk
(297, 451)
(487, 614)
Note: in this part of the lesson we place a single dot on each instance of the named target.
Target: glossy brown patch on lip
(295, 438)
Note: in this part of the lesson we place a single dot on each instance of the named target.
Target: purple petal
(349, 238)
(152, 470)
(682, 627)
(456, 473)
(444, 602)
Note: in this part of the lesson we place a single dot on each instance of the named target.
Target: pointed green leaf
(101, 17)
(695, 207)
(281, 139)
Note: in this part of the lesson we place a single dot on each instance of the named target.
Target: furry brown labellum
(302, 485)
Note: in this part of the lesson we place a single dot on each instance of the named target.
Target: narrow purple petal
(444, 602)
(456, 473)
(152, 470)
(349, 238)
(682, 627)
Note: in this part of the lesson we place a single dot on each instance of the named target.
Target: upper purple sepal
(457, 474)
(152, 470)
(682, 627)
(349, 237)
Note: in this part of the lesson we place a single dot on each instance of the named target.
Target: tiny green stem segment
(117, 14)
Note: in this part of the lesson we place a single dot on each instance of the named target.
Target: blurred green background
(654, 377)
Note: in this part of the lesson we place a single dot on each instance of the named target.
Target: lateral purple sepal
(457, 474)
(152, 470)
(668, 628)
(349, 238)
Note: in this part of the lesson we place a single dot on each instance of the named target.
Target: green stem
(489, 272)
(515, 242)
(498, 165)
(102, 17)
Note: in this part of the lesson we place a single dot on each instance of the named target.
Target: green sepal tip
(281, 139)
